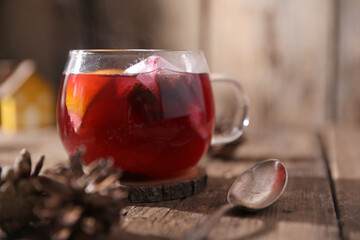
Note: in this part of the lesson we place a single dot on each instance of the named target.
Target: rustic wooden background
(298, 60)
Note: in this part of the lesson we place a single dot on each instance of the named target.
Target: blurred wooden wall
(298, 60)
(348, 81)
(280, 51)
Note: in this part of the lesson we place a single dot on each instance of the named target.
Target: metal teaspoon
(255, 189)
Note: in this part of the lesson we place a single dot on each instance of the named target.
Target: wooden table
(320, 202)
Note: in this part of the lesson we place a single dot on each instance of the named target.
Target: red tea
(157, 124)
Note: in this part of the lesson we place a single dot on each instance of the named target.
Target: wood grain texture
(50, 28)
(343, 153)
(165, 24)
(280, 51)
(348, 108)
(305, 211)
(37, 142)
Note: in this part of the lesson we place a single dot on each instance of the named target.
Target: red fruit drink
(157, 124)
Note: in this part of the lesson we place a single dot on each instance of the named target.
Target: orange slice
(81, 89)
(109, 71)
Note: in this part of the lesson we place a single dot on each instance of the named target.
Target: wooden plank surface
(45, 142)
(50, 28)
(348, 99)
(281, 51)
(305, 211)
(148, 24)
(343, 153)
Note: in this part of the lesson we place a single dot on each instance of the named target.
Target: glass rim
(114, 51)
(89, 60)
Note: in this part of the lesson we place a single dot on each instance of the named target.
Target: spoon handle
(206, 225)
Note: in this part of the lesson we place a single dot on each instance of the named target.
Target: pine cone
(18, 195)
(81, 204)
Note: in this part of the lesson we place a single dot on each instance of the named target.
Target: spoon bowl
(260, 186)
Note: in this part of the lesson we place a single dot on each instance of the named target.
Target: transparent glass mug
(151, 111)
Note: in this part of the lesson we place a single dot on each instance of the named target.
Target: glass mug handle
(233, 129)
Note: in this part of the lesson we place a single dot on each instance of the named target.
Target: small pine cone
(81, 204)
(18, 195)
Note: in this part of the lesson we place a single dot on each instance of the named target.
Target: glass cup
(151, 111)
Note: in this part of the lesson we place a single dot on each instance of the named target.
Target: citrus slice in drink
(81, 89)
(109, 71)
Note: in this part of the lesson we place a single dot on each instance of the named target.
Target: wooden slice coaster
(191, 182)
